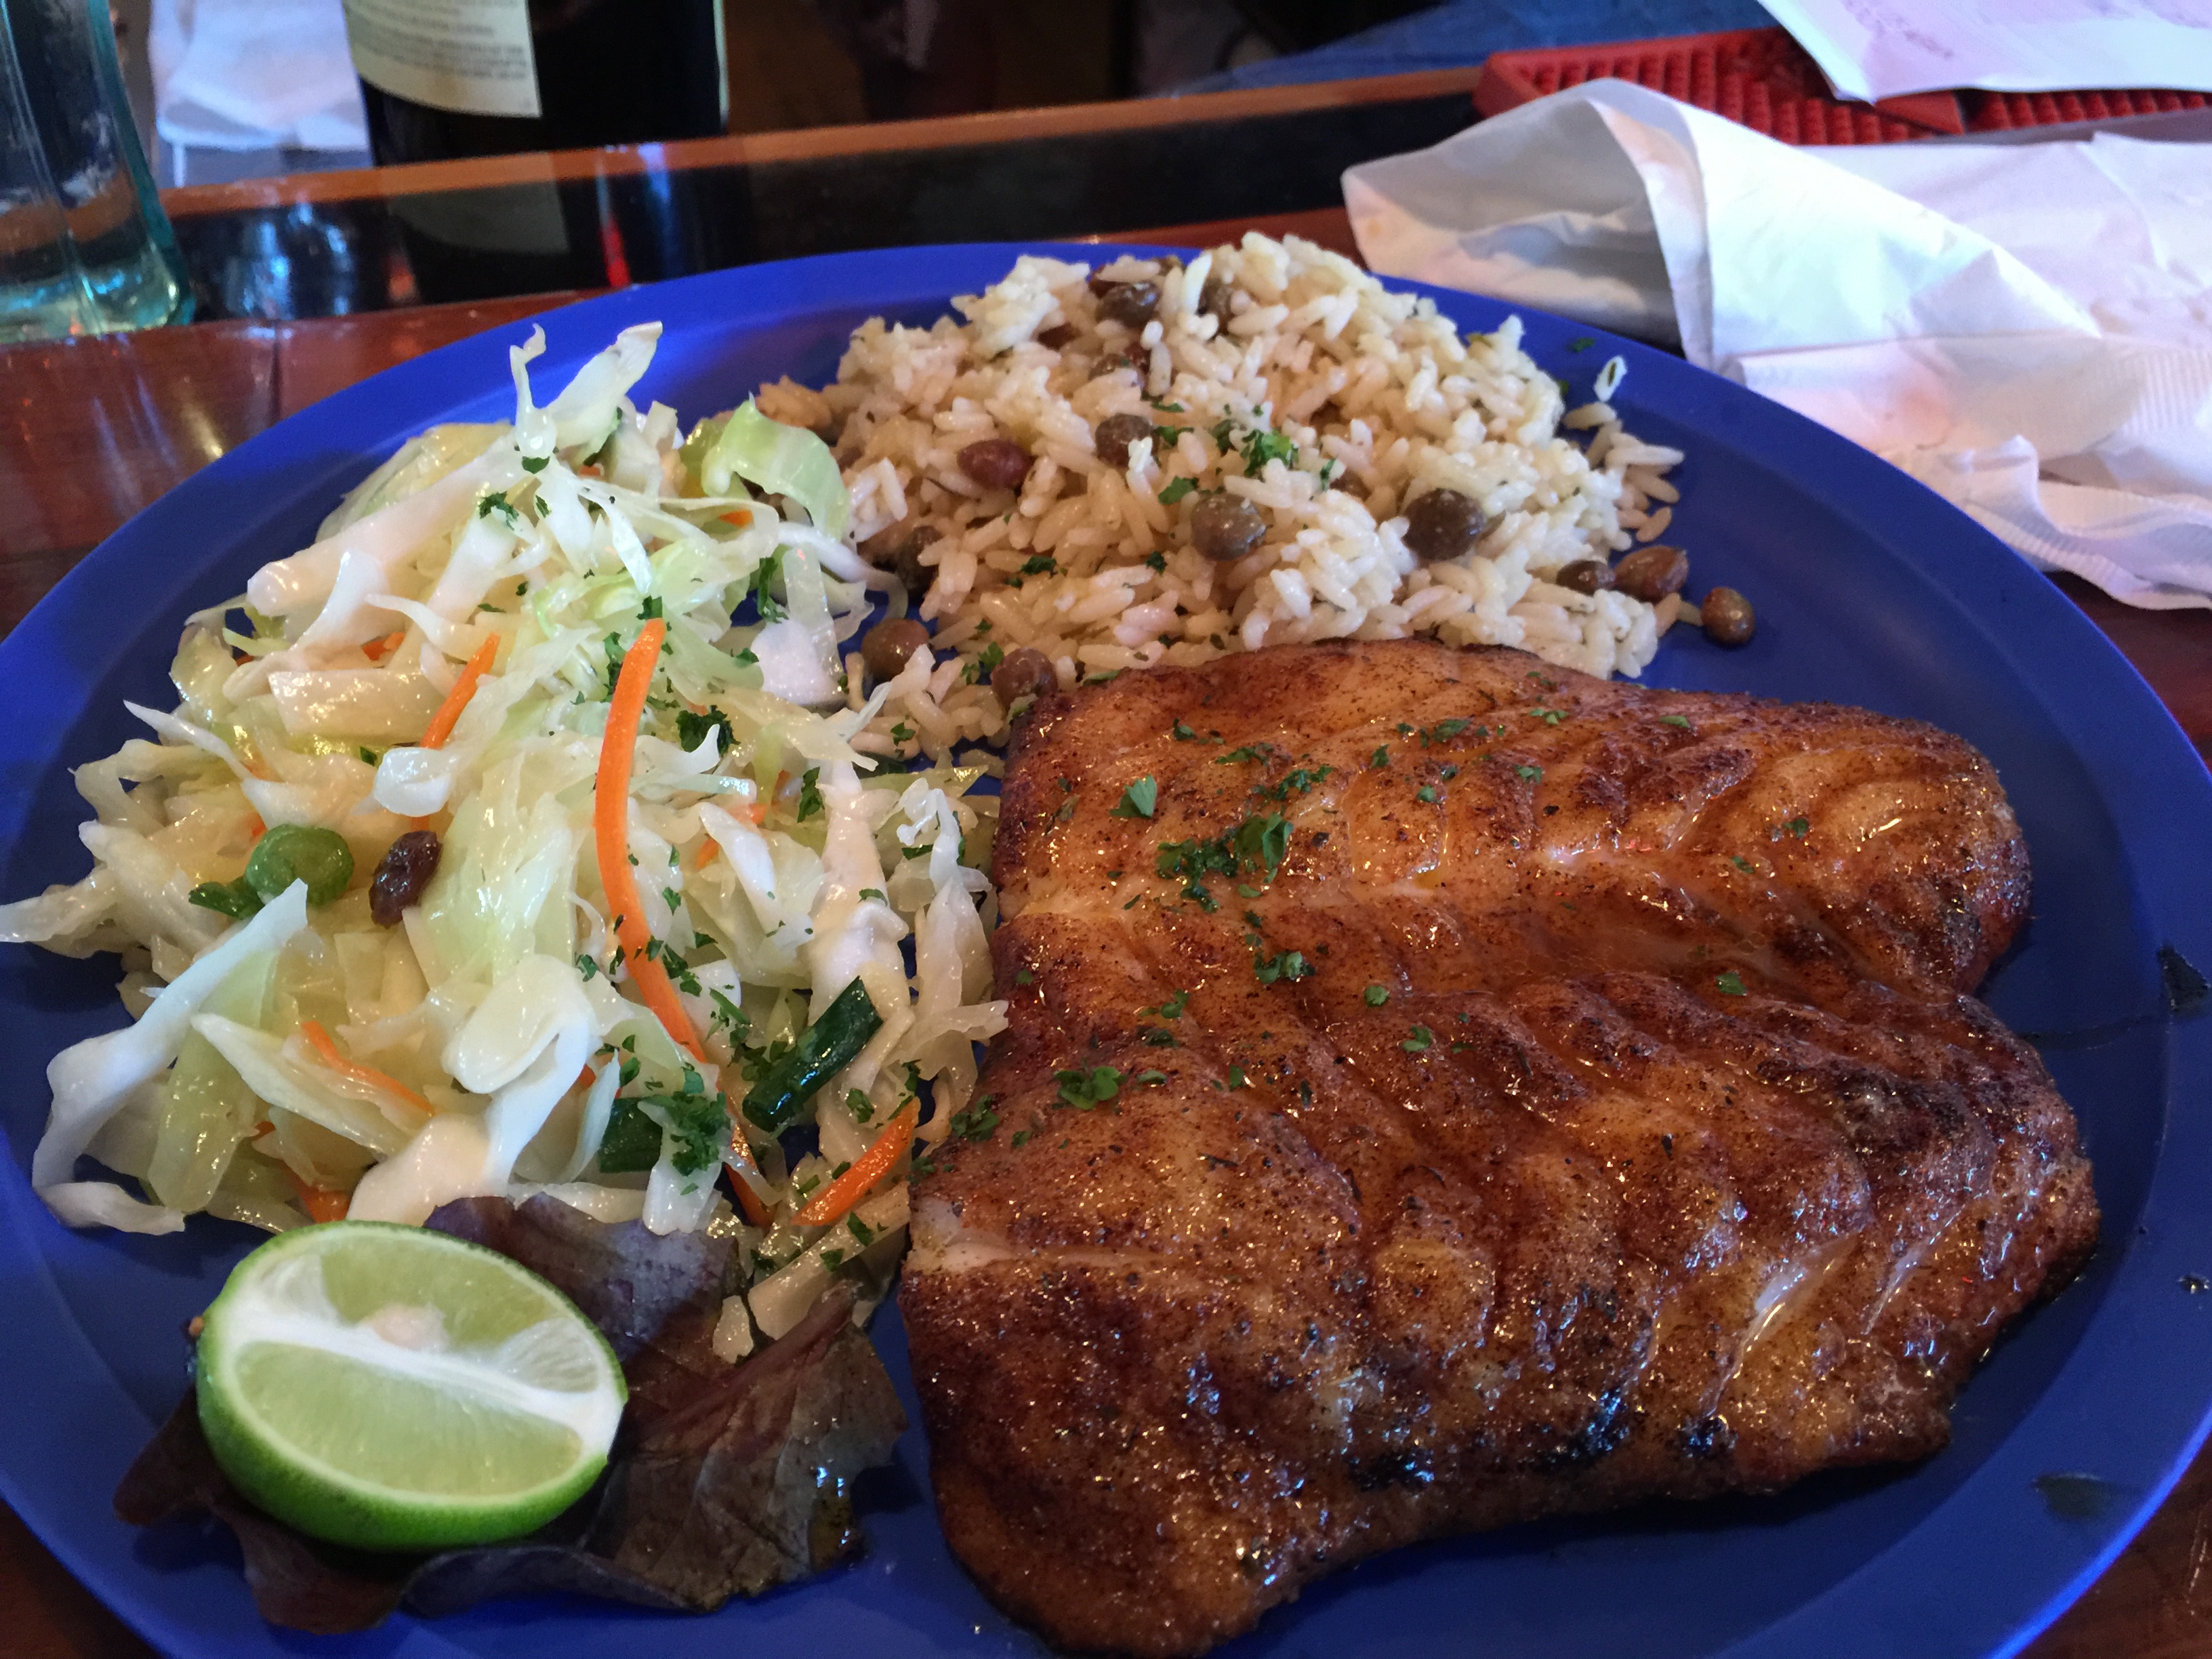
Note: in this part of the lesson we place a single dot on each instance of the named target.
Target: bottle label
(471, 57)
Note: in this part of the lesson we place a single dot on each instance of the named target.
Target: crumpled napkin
(2026, 329)
(255, 75)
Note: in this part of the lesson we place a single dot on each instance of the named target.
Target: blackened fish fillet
(1453, 1091)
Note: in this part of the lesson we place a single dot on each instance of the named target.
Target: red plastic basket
(2003, 112)
(1765, 80)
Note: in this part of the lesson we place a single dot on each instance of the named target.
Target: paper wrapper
(2026, 329)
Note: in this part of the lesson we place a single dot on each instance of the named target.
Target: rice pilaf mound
(1275, 373)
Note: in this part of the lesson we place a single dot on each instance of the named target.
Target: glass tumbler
(84, 245)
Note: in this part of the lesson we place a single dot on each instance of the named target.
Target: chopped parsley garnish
(586, 965)
(1798, 829)
(977, 1122)
(1529, 774)
(1300, 779)
(980, 667)
(1582, 344)
(1040, 564)
(1285, 964)
(1139, 800)
(1742, 863)
(901, 732)
(1263, 445)
(1183, 733)
(1157, 561)
(1418, 1042)
(1172, 1008)
(691, 729)
(809, 794)
(1177, 489)
(1264, 840)
(766, 572)
(1085, 1089)
(1548, 685)
(1237, 1079)
(370, 757)
(1549, 716)
(637, 1131)
(1675, 719)
(1261, 752)
(1159, 1037)
(1444, 731)
(1378, 760)
(1377, 995)
(858, 1103)
(1260, 843)
(1731, 984)
(497, 502)
(1149, 1079)
(1193, 862)
(1023, 976)
(1427, 795)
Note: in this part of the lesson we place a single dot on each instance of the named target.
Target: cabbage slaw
(303, 1060)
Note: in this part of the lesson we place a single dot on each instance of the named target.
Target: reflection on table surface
(340, 244)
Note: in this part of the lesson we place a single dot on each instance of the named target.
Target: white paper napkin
(254, 75)
(2026, 329)
(1872, 49)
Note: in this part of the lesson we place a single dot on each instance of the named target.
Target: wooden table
(93, 430)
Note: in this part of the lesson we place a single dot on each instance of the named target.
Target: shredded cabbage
(495, 1041)
(783, 460)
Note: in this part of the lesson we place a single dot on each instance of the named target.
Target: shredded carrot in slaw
(321, 1203)
(749, 1201)
(378, 650)
(449, 712)
(319, 1041)
(836, 1201)
(611, 832)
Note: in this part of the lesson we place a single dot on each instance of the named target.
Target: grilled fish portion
(1443, 1090)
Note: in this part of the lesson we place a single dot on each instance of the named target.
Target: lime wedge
(391, 1388)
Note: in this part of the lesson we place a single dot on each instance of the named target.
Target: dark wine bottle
(445, 79)
(448, 78)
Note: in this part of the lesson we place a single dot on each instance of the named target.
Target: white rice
(1086, 563)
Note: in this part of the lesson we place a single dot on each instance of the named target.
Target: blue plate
(1869, 590)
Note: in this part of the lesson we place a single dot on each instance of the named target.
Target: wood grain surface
(91, 431)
